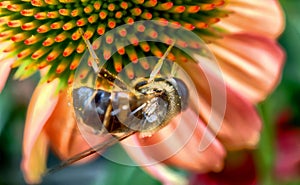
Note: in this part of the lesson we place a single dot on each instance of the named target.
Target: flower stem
(265, 154)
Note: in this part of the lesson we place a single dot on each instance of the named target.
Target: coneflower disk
(46, 32)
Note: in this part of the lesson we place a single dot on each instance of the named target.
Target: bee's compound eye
(183, 92)
(81, 96)
(86, 106)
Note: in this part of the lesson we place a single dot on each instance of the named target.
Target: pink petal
(262, 17)
(158, 170)
(242, 125)
(235, 120)
(4, 71)
(251, 64)
(40, 108)
(62, 131)
(178, 144)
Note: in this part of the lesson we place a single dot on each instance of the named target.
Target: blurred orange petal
(40, 108)
(251, 64)
(262, 17)
(4, 71)
(34, 165)
(62, 130)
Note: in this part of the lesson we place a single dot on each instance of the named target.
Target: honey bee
(145, 106)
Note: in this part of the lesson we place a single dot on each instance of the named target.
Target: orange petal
(252, 65)
(42, 103)
(4, 71)
(41, 106)
(238, 125)
(62, 130)
(179, 144)
(34, 165)
(256, 16)
(5, 63)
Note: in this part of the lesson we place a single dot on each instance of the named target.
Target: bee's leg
(106, 120)
(97, 148)
(137, 109)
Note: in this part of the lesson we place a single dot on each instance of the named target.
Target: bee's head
(163, 86)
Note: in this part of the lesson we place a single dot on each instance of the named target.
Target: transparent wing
(118, 66)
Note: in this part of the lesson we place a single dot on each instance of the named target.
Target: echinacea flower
(41, 34)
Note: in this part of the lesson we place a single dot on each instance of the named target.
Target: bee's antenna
(96, 60)
(109, 142)
(157, 67)
(113, 79)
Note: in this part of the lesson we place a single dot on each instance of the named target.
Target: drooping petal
(40, 108)
(235, 120)
(251, 64)
(4, 71)
(259, 17)
(34, 165)
(5, 63)
(242, 125)
(62, 130)
(179, 144)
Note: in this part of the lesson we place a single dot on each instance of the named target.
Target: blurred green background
(278, 147)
